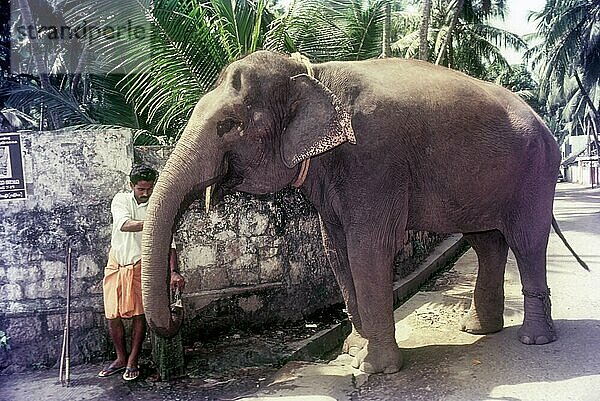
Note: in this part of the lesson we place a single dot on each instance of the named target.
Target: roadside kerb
(327, 340)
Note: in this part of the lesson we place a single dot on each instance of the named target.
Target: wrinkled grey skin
(434, 150)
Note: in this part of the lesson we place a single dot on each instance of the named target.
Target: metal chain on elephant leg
(544, 296)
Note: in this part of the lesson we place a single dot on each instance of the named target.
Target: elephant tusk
(209, 190)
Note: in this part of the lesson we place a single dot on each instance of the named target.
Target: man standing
(122, 276)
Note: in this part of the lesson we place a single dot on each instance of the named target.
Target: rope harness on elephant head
(303, 173)
(306, 162)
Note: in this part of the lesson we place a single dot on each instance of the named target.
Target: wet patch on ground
(237, 363)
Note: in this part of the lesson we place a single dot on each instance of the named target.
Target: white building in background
(580, 160)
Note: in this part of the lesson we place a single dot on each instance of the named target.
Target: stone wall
(71, 176)
(249, 261)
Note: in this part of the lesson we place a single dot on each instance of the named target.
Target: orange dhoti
(122, 286)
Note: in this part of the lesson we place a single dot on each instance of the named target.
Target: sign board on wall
(12, 182)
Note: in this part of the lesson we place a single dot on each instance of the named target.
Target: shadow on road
(474, 371)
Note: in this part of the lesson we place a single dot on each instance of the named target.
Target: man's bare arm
(132, 226)
(177, 280)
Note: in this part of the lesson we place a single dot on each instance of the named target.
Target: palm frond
(571, 42)
(277, 37)
(31, 97)
(185, 46)
(336, 29)
(408, 45)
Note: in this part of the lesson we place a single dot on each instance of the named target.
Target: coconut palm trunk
(386, 49)
(38, 60)
(444, 49)
(423, 30)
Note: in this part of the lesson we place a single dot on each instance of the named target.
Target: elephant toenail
(367, 368)
(526, 340)
(542, 340)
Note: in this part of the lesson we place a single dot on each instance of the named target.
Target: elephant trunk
(191, 166)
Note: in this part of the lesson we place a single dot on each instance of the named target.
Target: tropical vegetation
(567, 57)
(116, 80)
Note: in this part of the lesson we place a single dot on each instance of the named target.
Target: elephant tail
(564, 240)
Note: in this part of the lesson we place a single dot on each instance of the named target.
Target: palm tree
(153, 82)
(386, 49)
(48, 86)
(466, 41)
(572, 44)
(459, 35)
(424, 28)
(326, 30)
(191, 41)
(450, 31)
(568, 59)
(39, 62)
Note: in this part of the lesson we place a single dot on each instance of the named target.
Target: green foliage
(568, 49)
(191, 41)
(518, 79)
(30, 96)
(475, 44)
(325, 30)
(152, 85)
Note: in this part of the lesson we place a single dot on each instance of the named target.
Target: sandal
(131, 373)
(111, 370)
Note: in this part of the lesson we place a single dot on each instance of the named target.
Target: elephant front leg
(373, 275)
(334, 243)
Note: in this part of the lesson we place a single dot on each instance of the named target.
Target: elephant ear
(319, 124)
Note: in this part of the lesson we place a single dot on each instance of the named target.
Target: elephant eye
(225, 126)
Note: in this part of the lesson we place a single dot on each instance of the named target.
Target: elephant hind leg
(487, 306)
(528, 242)
(538, 327)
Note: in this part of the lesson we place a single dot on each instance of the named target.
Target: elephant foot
(384, 359)
(354, 343)
(474, 323)
(538, 327)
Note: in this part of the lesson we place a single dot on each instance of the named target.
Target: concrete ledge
(231, 291)
(322, 342)
(444, 253)
(327, 340)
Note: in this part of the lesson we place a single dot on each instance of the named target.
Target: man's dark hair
(142, 172)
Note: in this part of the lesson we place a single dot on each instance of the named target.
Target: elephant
(378, 147)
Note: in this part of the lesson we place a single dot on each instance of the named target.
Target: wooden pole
(65, 368)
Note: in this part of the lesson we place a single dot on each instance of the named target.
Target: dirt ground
(227, 367)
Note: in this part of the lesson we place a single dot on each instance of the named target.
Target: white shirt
(126, 246)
